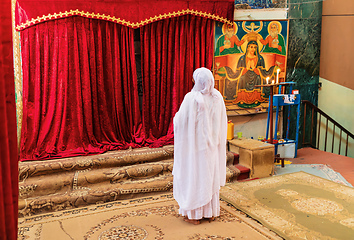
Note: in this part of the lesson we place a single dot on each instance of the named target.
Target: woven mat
(296, 205)
(154, 217)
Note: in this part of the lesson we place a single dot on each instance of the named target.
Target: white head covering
(204, 80)
(204, 85)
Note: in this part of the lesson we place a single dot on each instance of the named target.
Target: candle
(267, 79)
(278, 70)
(272, 81)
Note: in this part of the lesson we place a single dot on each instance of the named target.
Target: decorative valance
(131, 13)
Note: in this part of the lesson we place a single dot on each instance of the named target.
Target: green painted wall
(305, 19)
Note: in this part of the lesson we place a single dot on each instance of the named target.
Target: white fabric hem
(211, 209)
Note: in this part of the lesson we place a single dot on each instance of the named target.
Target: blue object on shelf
(291, 100)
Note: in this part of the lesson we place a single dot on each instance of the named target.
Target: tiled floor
(343, 165)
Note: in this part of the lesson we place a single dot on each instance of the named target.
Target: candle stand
(280, 100)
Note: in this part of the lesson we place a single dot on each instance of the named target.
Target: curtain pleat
(8, 130)
(171, 50)
(80, 84)
(79, 89)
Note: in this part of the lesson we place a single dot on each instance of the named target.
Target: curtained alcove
(8, 141)
(80, 84)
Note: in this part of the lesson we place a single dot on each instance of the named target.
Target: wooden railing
(315, 128)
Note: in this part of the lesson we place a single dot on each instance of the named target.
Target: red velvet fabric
(132, 13)
(171, 50)
(79, 89)
(8, 130)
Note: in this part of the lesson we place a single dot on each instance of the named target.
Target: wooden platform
(67, 183)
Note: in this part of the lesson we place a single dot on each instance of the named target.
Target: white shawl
(200, 128)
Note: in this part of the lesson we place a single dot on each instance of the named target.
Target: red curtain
(79, 89)
(171, 50)
(8, 130)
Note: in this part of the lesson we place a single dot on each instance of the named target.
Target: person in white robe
(199, 169)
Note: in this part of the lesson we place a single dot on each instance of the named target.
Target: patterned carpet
(154, 217)
(320, 170)
(296, 205)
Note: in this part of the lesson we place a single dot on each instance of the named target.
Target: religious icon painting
(260, 4)
(249, 54)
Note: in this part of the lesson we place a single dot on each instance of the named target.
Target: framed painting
(249, 54)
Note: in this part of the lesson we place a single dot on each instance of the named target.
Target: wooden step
(55, 185)
(236, 158)
(244, 172)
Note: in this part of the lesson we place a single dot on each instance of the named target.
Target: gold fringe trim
(17, 73)
(76, 12)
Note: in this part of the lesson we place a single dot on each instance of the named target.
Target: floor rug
(296, 205)
(154, 217)
(319, 170)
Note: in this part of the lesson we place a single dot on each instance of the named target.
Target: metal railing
(315, 127)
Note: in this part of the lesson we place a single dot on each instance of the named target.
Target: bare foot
(210, 219)
(193, 221)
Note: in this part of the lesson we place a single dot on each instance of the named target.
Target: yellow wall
(254, 125)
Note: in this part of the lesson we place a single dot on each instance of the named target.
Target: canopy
(131, 13)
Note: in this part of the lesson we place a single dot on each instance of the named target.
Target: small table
(256, 155)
